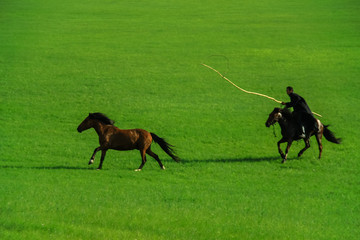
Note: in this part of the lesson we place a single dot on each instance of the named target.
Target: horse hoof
(98, 169)
(91, 161)
(283, 161)
(137, 170)
(163, 167)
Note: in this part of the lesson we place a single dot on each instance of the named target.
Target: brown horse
(111, 137)
(289, 129)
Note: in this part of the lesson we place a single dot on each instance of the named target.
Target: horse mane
(102, 118)
(287, 114)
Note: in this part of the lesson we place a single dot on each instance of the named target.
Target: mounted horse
(289, 134)
(111, 137)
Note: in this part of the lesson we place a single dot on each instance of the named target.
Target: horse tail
(168, 148)
(329, 135)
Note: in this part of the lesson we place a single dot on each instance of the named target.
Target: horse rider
(302, 113)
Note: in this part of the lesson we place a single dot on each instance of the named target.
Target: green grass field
(139, 62)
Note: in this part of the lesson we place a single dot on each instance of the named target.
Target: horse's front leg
(307, 145)
(93, 156)
(103, 153)
(287, 151)
(279, 148)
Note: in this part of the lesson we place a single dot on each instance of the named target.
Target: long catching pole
(255, 93)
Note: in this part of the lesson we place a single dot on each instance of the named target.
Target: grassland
(139, 62)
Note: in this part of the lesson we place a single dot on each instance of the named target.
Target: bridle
(277, 117)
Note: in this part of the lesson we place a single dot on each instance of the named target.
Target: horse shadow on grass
(45, 167)
(234, 160)
(183, 161)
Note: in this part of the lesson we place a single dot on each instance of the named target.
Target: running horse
(289, 129)
(111, 137)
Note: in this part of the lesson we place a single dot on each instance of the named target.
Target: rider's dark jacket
(302, 113)
(298, 103)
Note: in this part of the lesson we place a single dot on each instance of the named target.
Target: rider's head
(289, 90)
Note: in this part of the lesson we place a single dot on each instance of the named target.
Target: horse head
(87, 123)
(274, 117)
(90, 121)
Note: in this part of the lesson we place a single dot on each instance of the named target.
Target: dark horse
(111, 137)
(289, 128)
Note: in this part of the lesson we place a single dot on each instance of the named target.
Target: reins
(274, 130)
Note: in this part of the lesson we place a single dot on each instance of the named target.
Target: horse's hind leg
(143, 159)
(156, 157)
(318, 139)
(307, 145)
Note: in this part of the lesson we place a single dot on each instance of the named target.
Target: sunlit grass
(139, 63)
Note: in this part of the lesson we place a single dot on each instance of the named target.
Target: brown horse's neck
(99, 128)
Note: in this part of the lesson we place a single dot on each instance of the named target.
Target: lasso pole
(255, 93)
